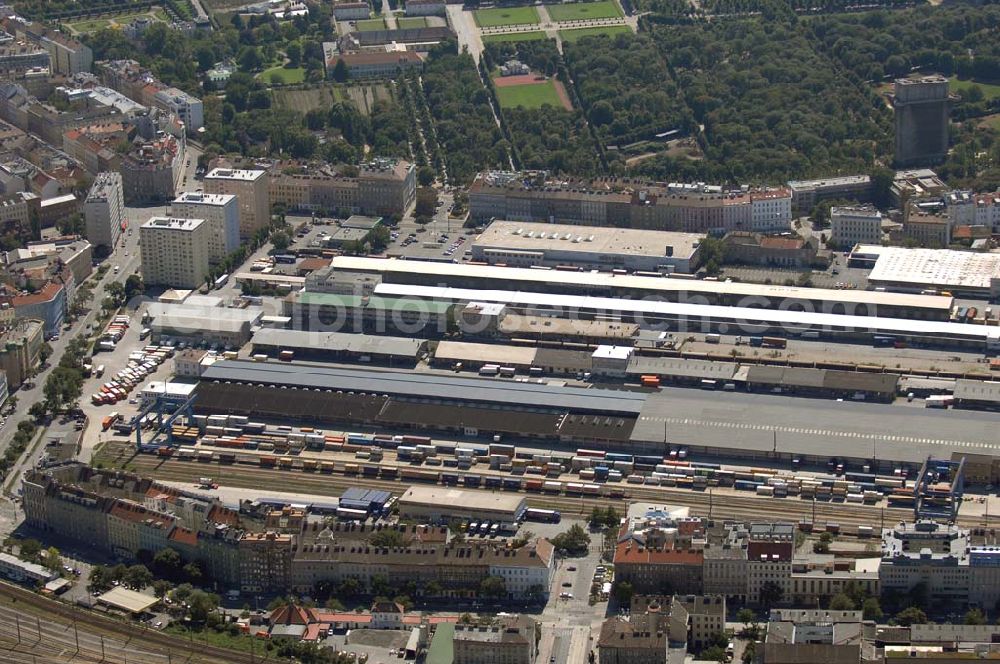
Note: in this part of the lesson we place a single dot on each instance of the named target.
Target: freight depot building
(520, 244)
(436, 504)
(716, 424)
(399, 400)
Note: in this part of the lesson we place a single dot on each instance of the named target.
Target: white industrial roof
(542, 279)
(612, 352)
(739, 315)
(234, 174)
(937, 267)
(129, 600)
(171, 388)
(517, 235)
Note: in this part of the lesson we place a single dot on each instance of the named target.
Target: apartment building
(20, 345)
(187, 107)
(970, 209)
(382, 187)
(814, 580)
(509, 639)
(175, 252)
(927, 226)
(251, 189)
(18, 57)
(67, 56)
(47, 303)
(151, 169)
(806, 194)
(797, 636)
(16, 210)
(138, 83)
(532, 196)
(770, 547)
(853, 225)
(351, 11)
(659, 569)
(104, 210)
(657, 636)
(265, 562)
(222, 214)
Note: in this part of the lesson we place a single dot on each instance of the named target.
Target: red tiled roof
(184, 536)
(781, 242)
(781, 549)
(138, 513)
(290, 614)
(629, 553)
(223, 515)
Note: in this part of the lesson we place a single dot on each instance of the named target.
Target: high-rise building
(174, 252)
(221, 213)
(104, 210)
(250, 187)
(921, 109)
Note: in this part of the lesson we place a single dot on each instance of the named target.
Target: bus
(221, 281)
(542, 516)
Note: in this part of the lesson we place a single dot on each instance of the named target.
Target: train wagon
(552, 487)
(493, 482)
(511, 484)
(471, 480)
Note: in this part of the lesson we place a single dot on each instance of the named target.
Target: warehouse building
(962, 273)
(441, 504)
(339, 347)
(473, 355)
(372, 501)
(523, 244)
(804, 381)
(197, 324)
(605, 284)
(978, 394)
(686, 317)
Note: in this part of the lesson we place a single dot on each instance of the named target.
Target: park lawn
(581, 11)
(990, 90)
(991, 121)
(529, 96)
(412, 22)
(288, 76)
(371, 24)
(580, 33)
(489, 18)
(92, 25)
(534, 35)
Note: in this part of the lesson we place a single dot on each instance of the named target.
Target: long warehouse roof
(794, 425)
(631, 282)
(338, 341)
(429, 386)
(747, 315)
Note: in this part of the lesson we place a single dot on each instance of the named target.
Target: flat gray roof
(674, 366)
(804, 426)
(977, 390)
(428, 386)
(338, 341)
(458, 499)
(460, 351)
(537, 236)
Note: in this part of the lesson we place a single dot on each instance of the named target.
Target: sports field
(580, 33)
(371, 24)
(534, 35)
(581, 11)
(531, 95)
(489, 18)
(412, 22)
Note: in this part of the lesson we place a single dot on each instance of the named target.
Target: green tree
(974, 617)
(841, 602)
(427, 199)
(201, 604)
(770, 594)
(340, 73)
(911, 615)
(426, 176)
(30, 549)
(388, 538)
(133, 287)
(99, 580)
(574, 541)
(167, 561)
(294, 53)
(713, 654)
(52, 560)
(192, 571)
(623, 593)
(280, 240)
(138, 577)
(872, 610)
(493, 586)
(161, 587)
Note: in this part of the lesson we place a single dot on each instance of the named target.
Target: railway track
(48, 630)
(708, 503)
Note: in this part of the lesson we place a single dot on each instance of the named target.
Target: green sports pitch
(491, 18)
